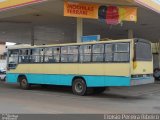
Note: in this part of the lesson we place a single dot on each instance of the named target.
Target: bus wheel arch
(23, 82)
(20, 77)
(78, 77)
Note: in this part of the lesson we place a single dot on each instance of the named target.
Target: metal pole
(130, 34)
(32, 36)
(159, 53)
(79, 29)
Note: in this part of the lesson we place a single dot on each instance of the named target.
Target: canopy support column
(159, 55)
(130, 34)
(32, 36)
(79, 29)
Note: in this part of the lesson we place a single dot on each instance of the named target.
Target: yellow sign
(82, 10)
(151, 4)
(128, 14)
(96, 11)
(8, 4)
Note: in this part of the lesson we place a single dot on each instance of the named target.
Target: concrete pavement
(60, 100)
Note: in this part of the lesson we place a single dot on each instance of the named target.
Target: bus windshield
(143, 51)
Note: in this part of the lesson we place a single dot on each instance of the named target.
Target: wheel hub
(24, 83)
(79, 87)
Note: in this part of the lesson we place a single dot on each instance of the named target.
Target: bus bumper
(142, 81)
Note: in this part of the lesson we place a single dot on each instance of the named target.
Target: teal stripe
(91, 81)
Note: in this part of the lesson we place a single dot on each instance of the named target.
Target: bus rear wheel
(79, 87)
(24, 83)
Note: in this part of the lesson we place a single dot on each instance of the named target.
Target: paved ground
(142, 99)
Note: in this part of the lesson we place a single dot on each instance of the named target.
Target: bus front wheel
(79, 87)
(24, 83)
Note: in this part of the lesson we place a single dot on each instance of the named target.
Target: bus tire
(99, 90)
(24, 83)
(79, 87)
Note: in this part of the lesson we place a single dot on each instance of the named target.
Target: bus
(89, 67)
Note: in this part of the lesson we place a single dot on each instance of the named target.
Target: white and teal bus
(85, 67)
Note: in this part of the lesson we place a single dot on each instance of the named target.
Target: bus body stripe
(92, 81)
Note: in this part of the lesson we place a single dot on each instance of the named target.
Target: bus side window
(48, 58)
(56, 54)
(85, 53)
(13, 58)
(98, 53)
(109, 52)
(73, 54)
(35, 55)
(121, 52)
(64, 54)
(24, 56)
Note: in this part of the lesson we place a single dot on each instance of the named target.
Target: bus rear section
(142, 70)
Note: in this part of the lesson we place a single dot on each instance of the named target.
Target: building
(43, 22)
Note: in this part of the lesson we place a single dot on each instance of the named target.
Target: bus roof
(83, 43)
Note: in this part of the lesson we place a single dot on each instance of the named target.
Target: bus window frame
(87, 62)
(23, 55)
(57, 54)
(85, 53)
(135, 53)
(129, 52)
(78, 46)
(44, 54)
(63, 54)
(123, 52)
(8, 56)
(30, 56)
(106, 53)
(103, 53)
